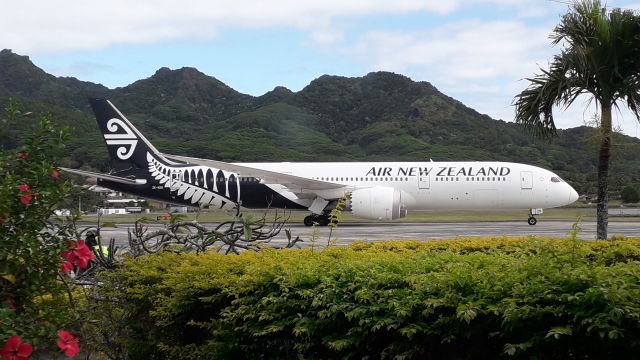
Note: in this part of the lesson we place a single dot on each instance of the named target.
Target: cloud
(454, 55)
(44, 26)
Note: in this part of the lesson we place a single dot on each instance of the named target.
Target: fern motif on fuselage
(197, 184)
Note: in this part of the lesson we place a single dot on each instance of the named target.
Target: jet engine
(378, 203)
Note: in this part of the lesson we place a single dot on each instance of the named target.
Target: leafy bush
(35, 302)
(475, 298)
(630, 194)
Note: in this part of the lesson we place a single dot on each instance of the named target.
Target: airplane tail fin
(127, 147)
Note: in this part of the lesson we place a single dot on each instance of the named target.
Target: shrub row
(470, 298)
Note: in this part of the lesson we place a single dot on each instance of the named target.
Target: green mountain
(380, 116)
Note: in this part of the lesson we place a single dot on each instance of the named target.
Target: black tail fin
(127, 147)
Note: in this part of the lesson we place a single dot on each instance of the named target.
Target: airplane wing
(113, 178)
(294, 183)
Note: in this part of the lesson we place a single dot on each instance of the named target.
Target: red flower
(66, 267)
(68, 343)
(23, 154)
(26, 198)
(78, 254)
(15, 349)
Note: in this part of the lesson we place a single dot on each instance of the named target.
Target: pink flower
(15, 349)
(78, 254)
(68, 343)
(24, 188)
(23, 154)
(54, 173)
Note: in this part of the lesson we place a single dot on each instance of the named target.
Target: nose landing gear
(532, 216)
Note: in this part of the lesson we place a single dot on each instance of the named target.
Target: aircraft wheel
(308, 220)
(532, 221)
(323, 220)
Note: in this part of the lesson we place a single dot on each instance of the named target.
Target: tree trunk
(603, 171)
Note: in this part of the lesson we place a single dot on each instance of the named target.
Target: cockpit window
(556, 179)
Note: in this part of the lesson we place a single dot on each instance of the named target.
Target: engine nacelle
(378, 203)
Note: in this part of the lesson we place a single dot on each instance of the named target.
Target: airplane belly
(260, 196)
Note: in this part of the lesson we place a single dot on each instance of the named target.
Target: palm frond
(534, 106)
(600, 56)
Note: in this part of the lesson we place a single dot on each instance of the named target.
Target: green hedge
(463, 299)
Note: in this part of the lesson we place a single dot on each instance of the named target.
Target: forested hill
(381, 116)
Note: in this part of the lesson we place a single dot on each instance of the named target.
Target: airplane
(373, 190)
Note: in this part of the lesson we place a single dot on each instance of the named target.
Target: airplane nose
(573, 195)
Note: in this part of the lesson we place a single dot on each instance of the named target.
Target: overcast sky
(477, 51)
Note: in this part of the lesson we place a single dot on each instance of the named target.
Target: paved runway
(349, 232)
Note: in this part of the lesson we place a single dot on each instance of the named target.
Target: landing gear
(322, 220)
(532, 213)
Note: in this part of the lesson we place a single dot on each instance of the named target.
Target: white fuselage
(437, 185)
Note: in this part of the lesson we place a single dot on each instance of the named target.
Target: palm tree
(600, 57)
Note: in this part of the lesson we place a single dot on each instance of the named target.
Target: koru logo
(128, 140)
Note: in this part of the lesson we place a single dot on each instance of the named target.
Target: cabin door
(423, 181)
(526, 180)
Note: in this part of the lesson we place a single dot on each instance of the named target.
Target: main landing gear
(322, 220)
(532, 216)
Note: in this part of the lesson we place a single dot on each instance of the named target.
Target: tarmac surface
(349, 232)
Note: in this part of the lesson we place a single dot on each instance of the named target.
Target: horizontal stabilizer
(107, 177)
